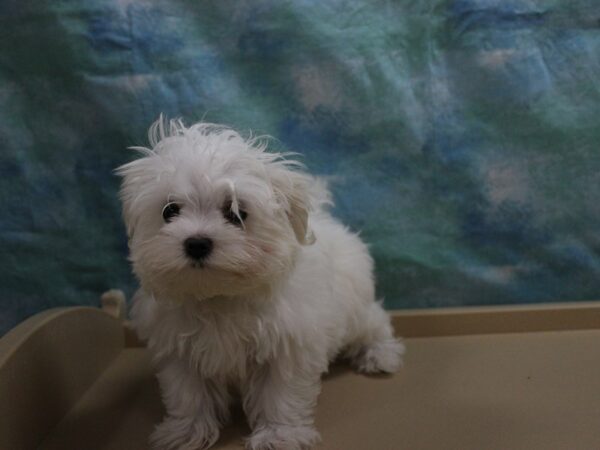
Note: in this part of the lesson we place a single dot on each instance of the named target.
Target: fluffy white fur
(280, 296)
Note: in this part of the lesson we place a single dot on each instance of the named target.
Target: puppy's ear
(134, 175)
(127, 199)
(292, 190)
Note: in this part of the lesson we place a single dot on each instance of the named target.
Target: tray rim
(497, 319)
(408, 323)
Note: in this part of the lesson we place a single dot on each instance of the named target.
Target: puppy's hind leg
(376, 350)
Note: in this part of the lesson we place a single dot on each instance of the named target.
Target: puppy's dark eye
(170, 210)
(233, 218)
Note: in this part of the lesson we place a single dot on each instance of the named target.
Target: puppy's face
(210, 214)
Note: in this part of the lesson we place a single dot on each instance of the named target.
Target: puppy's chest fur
(222, 343)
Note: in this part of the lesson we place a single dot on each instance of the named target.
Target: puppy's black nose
(198, 248)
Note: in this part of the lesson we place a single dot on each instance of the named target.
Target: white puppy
(248, 286)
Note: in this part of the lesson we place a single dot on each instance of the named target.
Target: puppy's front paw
(184, 433)
(283, 437)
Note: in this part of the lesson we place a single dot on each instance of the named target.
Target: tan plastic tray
(474, 378)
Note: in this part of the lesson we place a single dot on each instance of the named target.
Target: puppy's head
(209, 213)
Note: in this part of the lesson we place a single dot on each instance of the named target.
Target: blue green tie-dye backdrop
(460, 136)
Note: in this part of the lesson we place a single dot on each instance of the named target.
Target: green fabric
(460, 137)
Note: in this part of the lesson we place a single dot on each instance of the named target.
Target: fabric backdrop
(460, 137)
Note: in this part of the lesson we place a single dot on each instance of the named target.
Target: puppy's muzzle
(198, 248)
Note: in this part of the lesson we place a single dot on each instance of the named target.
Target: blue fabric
(461, 137)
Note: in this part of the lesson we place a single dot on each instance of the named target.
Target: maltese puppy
(248, 286)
